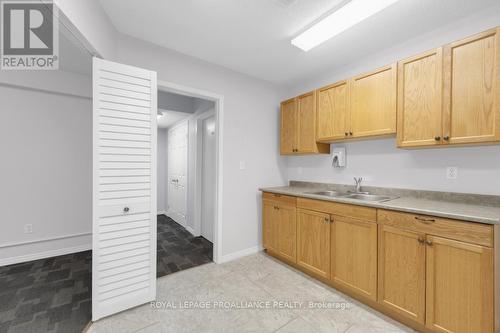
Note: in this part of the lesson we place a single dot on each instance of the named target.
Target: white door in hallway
(177, 157)
(124, 187)
(208, 179)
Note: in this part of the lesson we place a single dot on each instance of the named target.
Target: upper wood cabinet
(373, 103)
(288, 126)
(354, 255)
(420, 95)
(459, 286)
(471, 89)
(334, 118)
(298, 126)
(313, 242)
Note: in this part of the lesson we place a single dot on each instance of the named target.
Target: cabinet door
(333, 112)
(288, 127)
(270, 223)
(306, 106)
(373, 103)
(401, 272)
(459, 287)
(471, 89)
(313, 242)
(287, 233)
(354, 255)
(420, 100)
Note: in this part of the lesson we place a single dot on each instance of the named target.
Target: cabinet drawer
(339, 209)
(476, 233)
(279, 198)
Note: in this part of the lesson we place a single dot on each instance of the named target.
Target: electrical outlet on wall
(28, 228)
(451, 172)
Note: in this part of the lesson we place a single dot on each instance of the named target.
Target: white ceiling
(253, 36)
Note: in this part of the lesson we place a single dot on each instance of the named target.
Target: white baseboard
(240, 254)
(46, 254)
(162, 212)
(190, 229)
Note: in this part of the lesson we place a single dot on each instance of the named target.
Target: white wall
(46, 175)
(162, 170)
(250, 133)
(379, 161)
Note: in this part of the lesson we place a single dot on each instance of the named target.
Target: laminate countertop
(459, 206)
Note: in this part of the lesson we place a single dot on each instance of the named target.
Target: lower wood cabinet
(401, 274)
(431, 273)
(313, 242)
(459, 284)
(354, 255)
(279, 229)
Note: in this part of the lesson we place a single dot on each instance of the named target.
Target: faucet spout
(358, 181)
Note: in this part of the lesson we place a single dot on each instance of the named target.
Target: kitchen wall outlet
(451, 172)
(28, 228)
(242, 165)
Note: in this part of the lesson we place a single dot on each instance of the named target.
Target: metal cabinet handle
(327, 220)
(425, 220)
(126, 209)
(429, 242)
(437, 138)
(350, 133)
(421, 240)
(346, 134)
(447, 138)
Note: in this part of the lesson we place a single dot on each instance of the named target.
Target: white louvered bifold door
(124, 189)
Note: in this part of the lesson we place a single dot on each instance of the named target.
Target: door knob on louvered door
(126, 210)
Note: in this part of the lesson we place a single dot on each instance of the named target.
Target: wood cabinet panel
(401, 272)
(289, 123)
(459, 287)
(280, 198)
(354, 255)
(475, 233)
(373, 103)
(340, 209)
(306, 105)
(287, 232)
(334, 112)
(313, 242)
(420, 100)
(471, 89)
(270, 223)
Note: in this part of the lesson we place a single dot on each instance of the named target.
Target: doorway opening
(186, 182)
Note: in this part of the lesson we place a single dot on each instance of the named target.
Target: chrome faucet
(358, 184)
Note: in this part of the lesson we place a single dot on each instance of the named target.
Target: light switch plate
(28, 228)
(451, 172)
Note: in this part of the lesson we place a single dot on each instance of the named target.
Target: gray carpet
(53, 295)
(178, 249)
(48, 295)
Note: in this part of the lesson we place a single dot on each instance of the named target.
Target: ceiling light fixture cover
(340, 20)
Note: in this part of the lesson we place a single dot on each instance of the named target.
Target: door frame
(198, 163)
(219, 112)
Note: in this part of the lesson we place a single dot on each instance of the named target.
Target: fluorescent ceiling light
(342, 19)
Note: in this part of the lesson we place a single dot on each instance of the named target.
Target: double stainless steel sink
(353, 196)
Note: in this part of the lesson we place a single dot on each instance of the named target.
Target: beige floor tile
(253, 280)
(297, 325)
